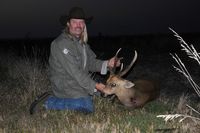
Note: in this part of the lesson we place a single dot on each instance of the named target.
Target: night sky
(39, 18)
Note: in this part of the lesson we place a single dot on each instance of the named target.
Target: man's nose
(78, 24)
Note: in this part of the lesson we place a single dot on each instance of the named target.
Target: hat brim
(64, 19)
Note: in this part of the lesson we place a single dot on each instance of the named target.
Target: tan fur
(138, 95)
(131, 94)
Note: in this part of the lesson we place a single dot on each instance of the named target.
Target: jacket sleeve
(69, 62)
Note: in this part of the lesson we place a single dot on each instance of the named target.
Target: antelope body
(131, 94)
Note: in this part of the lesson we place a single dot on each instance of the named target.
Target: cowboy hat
(76, 13)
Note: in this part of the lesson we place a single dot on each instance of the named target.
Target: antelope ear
(129, 84)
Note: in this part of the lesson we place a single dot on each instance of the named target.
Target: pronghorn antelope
(131, 94)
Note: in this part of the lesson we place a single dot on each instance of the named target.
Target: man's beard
(78, 32)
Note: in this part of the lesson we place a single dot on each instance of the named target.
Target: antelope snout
(107, 91)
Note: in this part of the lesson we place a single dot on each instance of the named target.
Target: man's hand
(114, 62)
(100, 86)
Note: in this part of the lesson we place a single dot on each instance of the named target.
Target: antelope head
(115, 83)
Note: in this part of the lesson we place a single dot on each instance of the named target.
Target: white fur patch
(129, 84)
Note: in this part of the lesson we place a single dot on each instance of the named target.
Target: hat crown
(77, 12)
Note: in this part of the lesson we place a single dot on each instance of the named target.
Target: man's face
(76, 27)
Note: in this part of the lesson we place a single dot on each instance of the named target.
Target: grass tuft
(189, 121)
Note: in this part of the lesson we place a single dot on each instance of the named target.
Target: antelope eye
(112, 85)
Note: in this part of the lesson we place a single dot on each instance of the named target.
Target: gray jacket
(70, 63)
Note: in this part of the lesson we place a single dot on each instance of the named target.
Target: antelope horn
(118, 52)
(116, 58)
(112, 71)
(121, 68)
(129, 67)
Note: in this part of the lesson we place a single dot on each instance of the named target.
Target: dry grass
(185, 114)
(22, 79)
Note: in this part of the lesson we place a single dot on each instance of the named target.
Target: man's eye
(112, 85)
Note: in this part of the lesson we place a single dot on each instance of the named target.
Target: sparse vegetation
(190, 115)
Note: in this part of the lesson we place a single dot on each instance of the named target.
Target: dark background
(131, 24)
(39, 19)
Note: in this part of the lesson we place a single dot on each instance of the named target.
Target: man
(71, 60)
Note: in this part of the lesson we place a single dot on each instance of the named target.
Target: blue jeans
(83, 104)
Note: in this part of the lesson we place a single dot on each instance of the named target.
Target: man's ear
(67, 24)
(128, 84)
